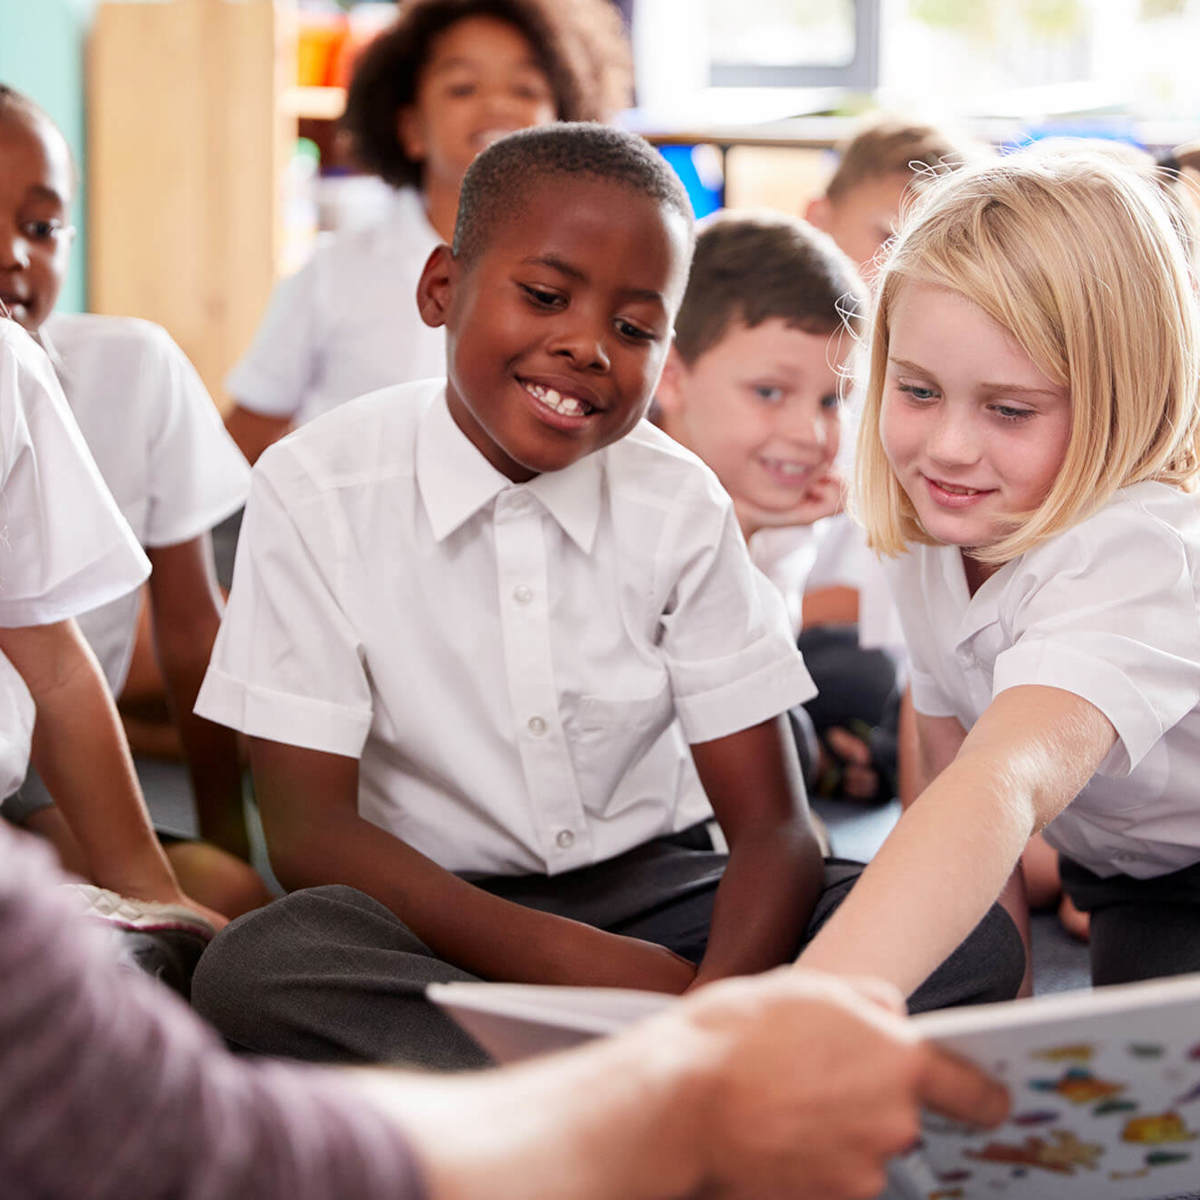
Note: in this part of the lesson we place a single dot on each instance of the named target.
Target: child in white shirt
(65, 549)
(753, 385)
(498, 646)
(174, 473)
(447, 79)
(1029, 455)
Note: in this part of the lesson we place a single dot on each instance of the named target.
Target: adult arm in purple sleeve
(110, 1088)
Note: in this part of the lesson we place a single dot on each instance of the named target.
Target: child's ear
(435, 288)
(817, 213)
(670, 393)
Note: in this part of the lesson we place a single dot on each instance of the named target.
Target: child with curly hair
(445, 81)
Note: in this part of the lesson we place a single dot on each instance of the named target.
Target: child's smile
(557, 331)
(973, 428)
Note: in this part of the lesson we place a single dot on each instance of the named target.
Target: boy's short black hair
(579, 44)
(752, 267)
(14, 103)
(499, 180)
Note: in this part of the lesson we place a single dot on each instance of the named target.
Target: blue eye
(1007, 412)
(768, 393)
(917, 392)
(831, 401)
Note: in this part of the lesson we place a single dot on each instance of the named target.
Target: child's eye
(833, 400)
(459, 90)
(541, 297)
(768, 393)
(635, 333)
(917, 392)
(1008, 412)
(42, 231)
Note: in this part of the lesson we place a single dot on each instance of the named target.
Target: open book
(1105, 1084)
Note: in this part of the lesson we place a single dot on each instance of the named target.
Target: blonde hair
(1074, 254)
(888, 145)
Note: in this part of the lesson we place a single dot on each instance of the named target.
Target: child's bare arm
(186, 613)
(947, 860)
(254, 432)
(308, 800)
(81, 754)
(775, 869)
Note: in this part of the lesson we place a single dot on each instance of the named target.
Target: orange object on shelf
(366, 22)
(320, 38)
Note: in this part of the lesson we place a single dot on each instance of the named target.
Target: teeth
(786, 468)
(954, 490)
(569, 406)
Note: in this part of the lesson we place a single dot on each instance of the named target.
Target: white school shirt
(519, 667)
(159, 443)
(347, 322)
(1110, 611)
(64, 547)
(831, 552)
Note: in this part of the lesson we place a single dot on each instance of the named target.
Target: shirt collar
(456, 481)
(977, 612)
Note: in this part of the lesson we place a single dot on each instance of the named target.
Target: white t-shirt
(346, 323)
(830, 553)
(519, 668)
(159, 443)
(64, 547)
(1110, 611)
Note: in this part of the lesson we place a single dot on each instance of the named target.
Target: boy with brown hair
(876, 168)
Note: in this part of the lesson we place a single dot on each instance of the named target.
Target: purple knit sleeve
(110, 1087)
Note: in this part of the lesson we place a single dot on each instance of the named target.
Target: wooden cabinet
(188, 132)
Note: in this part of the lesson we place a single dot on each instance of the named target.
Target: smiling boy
(498, 646)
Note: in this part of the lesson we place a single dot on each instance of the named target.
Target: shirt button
(537, 726)
(565, 839)
(522, 594)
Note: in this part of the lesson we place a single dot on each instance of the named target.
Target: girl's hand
(824, 497)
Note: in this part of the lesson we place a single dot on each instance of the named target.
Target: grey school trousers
(330, 975)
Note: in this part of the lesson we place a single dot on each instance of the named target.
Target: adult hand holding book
(790, 1084)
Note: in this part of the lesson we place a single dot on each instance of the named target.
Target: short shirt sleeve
(16, 728)
(285, 639)
(280, 366)
(726, 638)
(1108, 611)
(64, 546)
(197, 475)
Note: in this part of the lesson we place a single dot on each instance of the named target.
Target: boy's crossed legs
(329, 974)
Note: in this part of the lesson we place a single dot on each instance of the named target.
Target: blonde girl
(1027, 461)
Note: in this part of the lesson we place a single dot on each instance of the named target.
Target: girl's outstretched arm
(947, 860)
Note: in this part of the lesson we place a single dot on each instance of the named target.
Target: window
(793, 43)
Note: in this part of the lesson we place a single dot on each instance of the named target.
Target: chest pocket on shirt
(609, 738)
